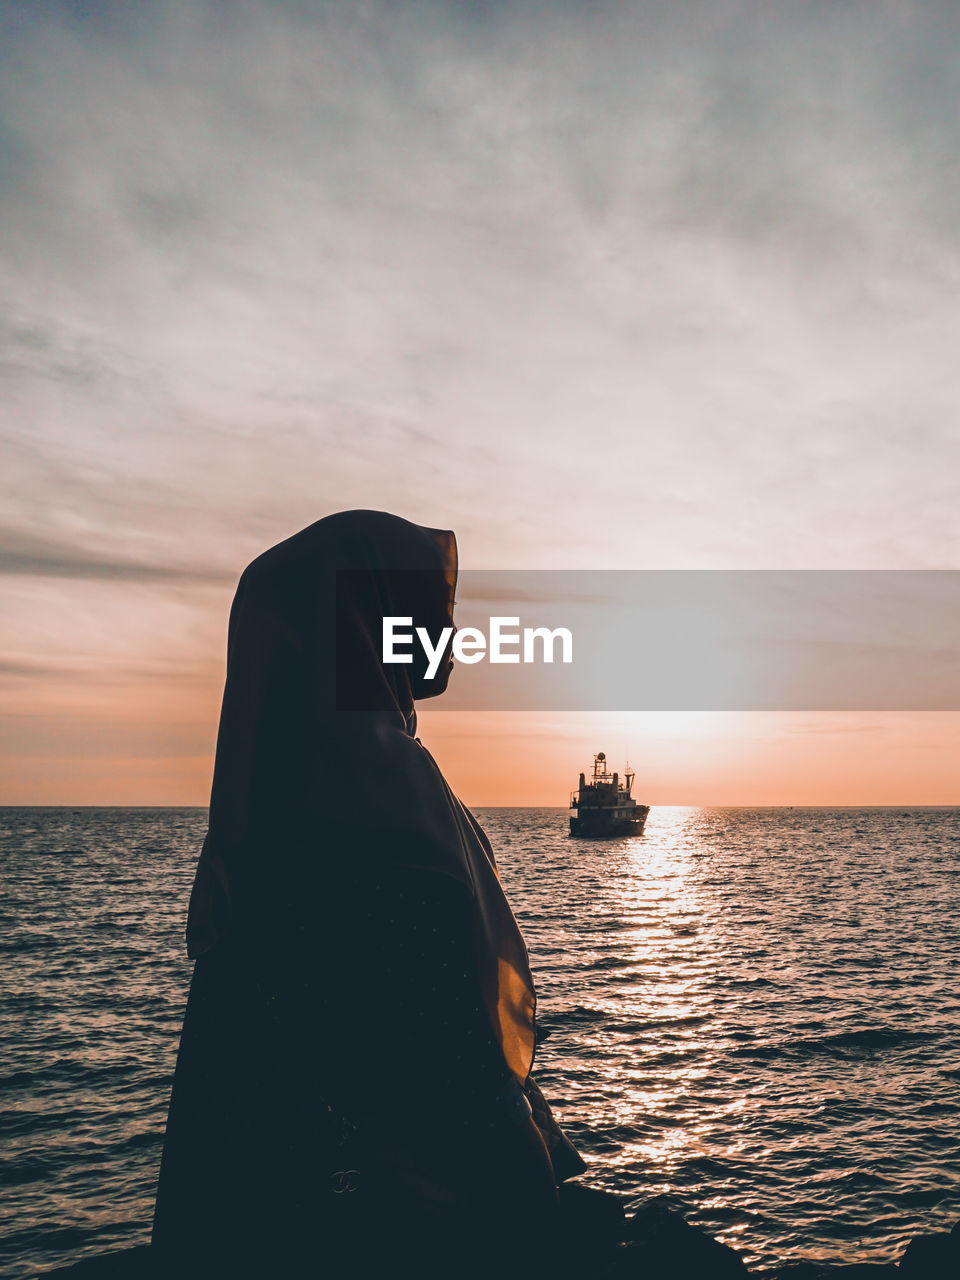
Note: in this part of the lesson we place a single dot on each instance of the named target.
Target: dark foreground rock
(652, 1243)
(934, 1255)
(659, 1242)
(125, 1265)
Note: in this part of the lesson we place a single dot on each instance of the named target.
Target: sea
(751, 1014)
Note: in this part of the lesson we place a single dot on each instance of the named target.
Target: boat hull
(598, 825)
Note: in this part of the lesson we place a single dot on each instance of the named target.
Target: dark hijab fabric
(317, 735)
(324, 802)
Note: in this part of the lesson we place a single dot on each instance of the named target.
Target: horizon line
(905, 804)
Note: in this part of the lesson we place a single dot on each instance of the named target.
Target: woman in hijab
(353, 1083)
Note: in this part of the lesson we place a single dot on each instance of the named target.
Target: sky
(594, 285)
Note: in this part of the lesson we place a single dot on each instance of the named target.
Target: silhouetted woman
(352, 1090)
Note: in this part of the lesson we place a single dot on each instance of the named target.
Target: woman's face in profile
(433, 598)
(422, 687)
(443, 675)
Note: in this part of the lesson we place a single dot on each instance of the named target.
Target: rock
(655, 1243)
(933, 1257)
(595, 1218)
(636, 1262)
(128, 1264)
(662, 1245)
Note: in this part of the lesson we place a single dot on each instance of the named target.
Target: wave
(861, 1042)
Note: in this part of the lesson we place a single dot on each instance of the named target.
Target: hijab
(317, 753)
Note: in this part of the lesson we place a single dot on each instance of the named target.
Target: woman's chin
(433, 688)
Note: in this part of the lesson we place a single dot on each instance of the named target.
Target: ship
(603, 806)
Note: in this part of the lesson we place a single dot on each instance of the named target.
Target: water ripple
(754, 1014)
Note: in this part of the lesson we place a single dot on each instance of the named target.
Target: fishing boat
(602, 804)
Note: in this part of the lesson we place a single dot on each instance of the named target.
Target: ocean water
(752, 1012)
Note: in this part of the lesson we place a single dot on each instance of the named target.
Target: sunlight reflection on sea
(753, 1013)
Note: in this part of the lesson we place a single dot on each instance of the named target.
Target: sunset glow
(594, 288)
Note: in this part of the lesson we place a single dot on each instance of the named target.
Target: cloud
(269, 261)
(22, 553)
(619, 285)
